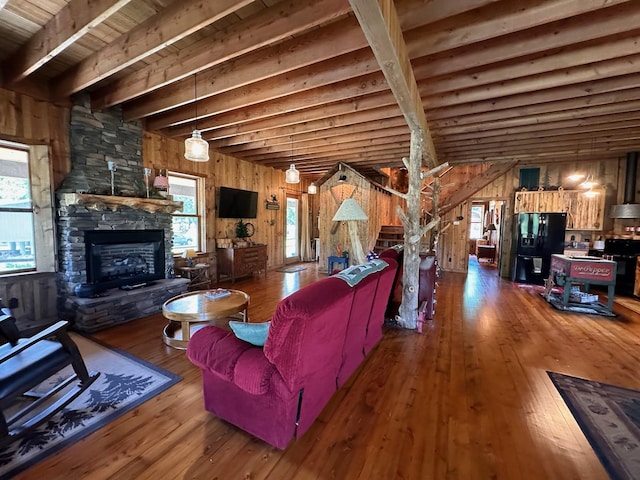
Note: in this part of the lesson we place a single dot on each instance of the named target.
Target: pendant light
(196, 148)
(313, 189)
(292, 175)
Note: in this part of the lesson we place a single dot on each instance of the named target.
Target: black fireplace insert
(117, 258)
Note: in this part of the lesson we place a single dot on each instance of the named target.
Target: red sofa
(318, 336)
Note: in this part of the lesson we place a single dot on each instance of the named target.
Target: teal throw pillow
(254, 333)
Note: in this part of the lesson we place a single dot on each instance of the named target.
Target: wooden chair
(26, 362)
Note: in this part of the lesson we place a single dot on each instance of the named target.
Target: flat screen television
(236, 203)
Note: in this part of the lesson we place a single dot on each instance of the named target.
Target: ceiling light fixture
(313, 189)
(292, 175)
(196, 148)
(588, 183)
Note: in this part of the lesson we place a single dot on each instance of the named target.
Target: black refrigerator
(537, 236)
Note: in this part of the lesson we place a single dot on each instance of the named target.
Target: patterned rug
(297, 268)
(609, 417)
(124, 383)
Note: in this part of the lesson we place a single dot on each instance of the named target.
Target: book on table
(217, 293)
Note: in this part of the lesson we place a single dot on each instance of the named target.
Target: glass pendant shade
(292, 175)
(313, 189)
(196, 148)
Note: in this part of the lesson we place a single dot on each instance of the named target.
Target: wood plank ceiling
(280, 82)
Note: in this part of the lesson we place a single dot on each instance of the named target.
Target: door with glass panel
(292, 230)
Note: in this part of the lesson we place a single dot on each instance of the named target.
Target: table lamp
(491, 228)
(190, 254)
(351, 213)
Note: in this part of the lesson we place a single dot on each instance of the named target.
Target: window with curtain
(187, 223)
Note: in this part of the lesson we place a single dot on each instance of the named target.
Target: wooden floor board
(468, 399)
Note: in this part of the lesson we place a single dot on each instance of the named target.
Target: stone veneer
(97, 138)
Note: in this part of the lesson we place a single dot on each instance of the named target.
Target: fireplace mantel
(113, 203)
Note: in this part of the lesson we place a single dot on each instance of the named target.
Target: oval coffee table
(193, 310)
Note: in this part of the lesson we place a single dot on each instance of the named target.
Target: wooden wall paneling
(160, 152)
(37, 296)
(452, 250)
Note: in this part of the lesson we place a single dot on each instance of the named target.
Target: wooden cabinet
(583, 213)
(239, 262)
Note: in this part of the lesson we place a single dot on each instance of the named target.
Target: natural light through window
(186, 222)
(16, 213)
(477, 216)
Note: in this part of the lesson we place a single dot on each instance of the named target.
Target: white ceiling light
(196, 148)
(292, 175)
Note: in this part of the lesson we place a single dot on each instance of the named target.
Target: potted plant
(243, 231)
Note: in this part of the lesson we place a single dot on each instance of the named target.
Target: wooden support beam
(379, 22)
(72, 22)
(175, 22)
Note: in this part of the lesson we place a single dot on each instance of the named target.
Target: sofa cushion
(254, 333)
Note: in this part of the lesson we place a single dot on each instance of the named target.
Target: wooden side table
(198, 276)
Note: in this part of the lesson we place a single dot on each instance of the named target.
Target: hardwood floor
(468, 399)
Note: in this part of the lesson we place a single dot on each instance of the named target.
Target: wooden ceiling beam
(497, 20)
(340, 71)
(539, 89)
(616, 20)
(72, 22)
(333, 40)
(611, 101)
(395, 141)
(357, 87)
(591, 123)
(384, 103)
(383, 127)
(175, 22)
(609, 49)
(354, 123)
(244, 38)
(573, 113)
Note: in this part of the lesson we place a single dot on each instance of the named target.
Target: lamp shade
(313, 189)
(492, 227)
(292, 175)
(189, 253)
(161, 182)
(196, 148)
(349, 210)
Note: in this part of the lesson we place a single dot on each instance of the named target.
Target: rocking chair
(26, 362)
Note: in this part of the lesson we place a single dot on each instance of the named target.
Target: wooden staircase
(389, 236)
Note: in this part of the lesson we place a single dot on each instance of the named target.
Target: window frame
(199, 215)
(480, 222)
(42, 208)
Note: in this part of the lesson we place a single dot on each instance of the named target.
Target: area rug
(297, 268)
(124, 383)
(609, 416)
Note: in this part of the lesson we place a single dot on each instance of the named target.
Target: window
(477, 218)
(188, 225)
(27, 240)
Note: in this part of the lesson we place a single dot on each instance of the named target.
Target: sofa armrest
(220, 352)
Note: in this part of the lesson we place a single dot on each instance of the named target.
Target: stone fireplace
(110, 241)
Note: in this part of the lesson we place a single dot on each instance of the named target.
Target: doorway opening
(485, 233)
(292, 230)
